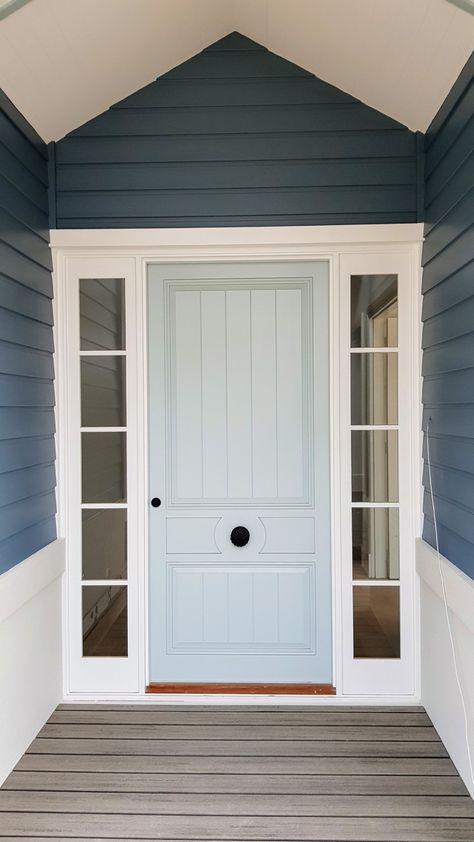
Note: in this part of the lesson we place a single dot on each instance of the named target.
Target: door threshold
(243, 689)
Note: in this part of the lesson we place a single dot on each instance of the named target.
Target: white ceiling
(65, 61)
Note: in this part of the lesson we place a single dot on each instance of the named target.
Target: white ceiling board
(62, 62)
(399, 56)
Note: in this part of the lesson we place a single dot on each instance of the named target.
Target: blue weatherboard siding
(236, 136)
(448, 316)
(27, 477)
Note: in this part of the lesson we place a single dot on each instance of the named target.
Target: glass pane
(376, 622)
(103, 391)
(375, 544)
(104, 621)
(102, 314)
(104, 468)
(374, 388)
(374, 311)
(374, 466)
(104, 543)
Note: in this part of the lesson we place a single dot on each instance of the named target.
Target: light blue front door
(239, 437)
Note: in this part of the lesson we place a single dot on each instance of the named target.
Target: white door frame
(75, 250)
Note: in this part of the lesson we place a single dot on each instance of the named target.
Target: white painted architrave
(130, 251)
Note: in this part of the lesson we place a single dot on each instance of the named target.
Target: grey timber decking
(248, 774)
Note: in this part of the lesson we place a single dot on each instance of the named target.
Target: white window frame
(127, 253)
(366, 676)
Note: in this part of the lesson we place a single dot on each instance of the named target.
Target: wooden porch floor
(237, 773)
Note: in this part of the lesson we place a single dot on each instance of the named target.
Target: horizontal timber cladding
(27, 475)
(448, 330)
(236, 136)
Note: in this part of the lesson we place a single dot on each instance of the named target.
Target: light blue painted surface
(259, 666)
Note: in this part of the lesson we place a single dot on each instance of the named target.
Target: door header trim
(299, 238)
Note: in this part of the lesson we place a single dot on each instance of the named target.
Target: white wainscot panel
(195, 535)
(248, 609)
(289, 535)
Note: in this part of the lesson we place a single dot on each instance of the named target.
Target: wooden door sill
(243, 689)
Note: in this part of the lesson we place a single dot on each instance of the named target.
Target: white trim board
(30, 650)
(28, 578)
(217, 700)
(440, 693)
(180, 240)
(459, 587)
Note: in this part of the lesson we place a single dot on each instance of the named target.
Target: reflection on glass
(102, 314)
(376, 621)
(103, 391)
(374, 466)
(103, 468)
(374, 311)
(104, 621)
(104, 543)
(374, 392)
(375, 544)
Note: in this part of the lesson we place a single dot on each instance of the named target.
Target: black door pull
(156, 502)
(240, 536)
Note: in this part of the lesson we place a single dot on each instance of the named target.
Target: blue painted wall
(448, 316)
(237, 136)
(27, 478)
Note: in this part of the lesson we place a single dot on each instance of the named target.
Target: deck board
(219, 804)
(281, 773)
(259, 784)
(232, 764)
(144, 716)
(240, 748)
(248, 733)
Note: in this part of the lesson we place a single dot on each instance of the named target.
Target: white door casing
(127, 253)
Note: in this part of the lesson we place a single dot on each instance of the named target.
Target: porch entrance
(239, 473)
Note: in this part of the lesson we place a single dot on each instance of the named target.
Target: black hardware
(240, 536)
(156, 502)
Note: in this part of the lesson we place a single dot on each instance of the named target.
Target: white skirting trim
(439, 688)
(30, 650)
(228, 699)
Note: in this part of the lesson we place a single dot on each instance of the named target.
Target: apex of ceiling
(234, 41)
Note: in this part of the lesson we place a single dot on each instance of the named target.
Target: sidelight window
(103, 467)
(375, 466)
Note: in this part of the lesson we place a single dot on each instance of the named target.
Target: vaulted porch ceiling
(63, 62)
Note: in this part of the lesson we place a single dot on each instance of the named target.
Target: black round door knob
(156, 502)
(240, 536)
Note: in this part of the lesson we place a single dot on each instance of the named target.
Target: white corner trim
(459, 587)
(26, 579)
(303, 237)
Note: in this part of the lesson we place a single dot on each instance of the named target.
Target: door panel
(233, 608)
(238, 409)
